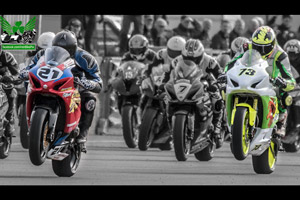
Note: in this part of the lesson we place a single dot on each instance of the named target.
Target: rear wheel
(5, 145)
(182, 143)
(240, 139)
(24, 138)
(265, 163)
(38, 145)
(68, 166)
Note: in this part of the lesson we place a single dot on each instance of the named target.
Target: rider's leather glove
(24, 74)
(7, 79)
(280, 82)
(85, 83)
(222, 78)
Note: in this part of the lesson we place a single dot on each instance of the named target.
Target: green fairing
(265, 101)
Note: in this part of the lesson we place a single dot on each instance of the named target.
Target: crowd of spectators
(156, 29)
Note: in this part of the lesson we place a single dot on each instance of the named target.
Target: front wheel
(146, 129)
(38, 146)
(240, 139)
(265, 163)
(182, 143)
(129, 123)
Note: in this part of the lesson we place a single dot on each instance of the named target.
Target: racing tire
(128, 124)
(38, 146)
(69, 165)
(240, 140)
(294, 146)
(5, 147)
(146, 134)
(266, 162)
(181, 143)
(24, 137)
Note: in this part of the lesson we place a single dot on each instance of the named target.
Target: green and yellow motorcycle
(252, 112)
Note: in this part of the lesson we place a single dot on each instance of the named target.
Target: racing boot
(281, 124)
(10, 127)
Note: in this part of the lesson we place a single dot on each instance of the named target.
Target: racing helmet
(45, 40)
(67, 40)
(138, 45)
(237, 43)
(193, 51)
(292, 48)
(264, 40)
(174, 46)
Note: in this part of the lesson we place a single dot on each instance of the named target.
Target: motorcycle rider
(292, 48)
(9, 70)
(91, 82)
(138, 51)
(194, 51)
(264, 41)
(165, 56)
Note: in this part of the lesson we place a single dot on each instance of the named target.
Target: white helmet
(45, 40)
(174, 46)
(237, 43)
(193, 50)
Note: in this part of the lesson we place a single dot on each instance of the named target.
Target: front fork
(251, 109)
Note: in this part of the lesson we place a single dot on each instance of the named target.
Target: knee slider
(90, 105)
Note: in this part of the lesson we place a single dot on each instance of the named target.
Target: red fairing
(62, 87)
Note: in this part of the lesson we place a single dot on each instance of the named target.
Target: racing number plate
(181, 90)
(47, 74)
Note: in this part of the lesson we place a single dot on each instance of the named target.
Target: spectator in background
(221, 39)
(260, 20)
(149, 24)
(254, 24)
(238, 30)
(161, 16)
(138, 21)
(205, 35)
(187, 28)
(75, 26)
(284, 30)
(159, 34)
(272, 23)
(90, 29)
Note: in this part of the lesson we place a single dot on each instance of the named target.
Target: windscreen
(251, 58)
(55, 55)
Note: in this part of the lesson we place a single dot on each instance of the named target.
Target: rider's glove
(24, 74)
(280, 82)
(85, 83)
(222, 78)
(146, 83)
(7, 79)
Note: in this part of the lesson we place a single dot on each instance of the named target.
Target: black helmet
(67, 40)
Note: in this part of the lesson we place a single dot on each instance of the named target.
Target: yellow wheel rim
(245, 140)
(271, 156)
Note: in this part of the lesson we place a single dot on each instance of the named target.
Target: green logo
(14, 35)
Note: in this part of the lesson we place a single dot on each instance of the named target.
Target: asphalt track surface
(110, 162)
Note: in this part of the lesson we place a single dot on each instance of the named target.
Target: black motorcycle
(127, 86)
(21, 111)
(154, 129)
(5, 138)
(291, 141)
(191, 125)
